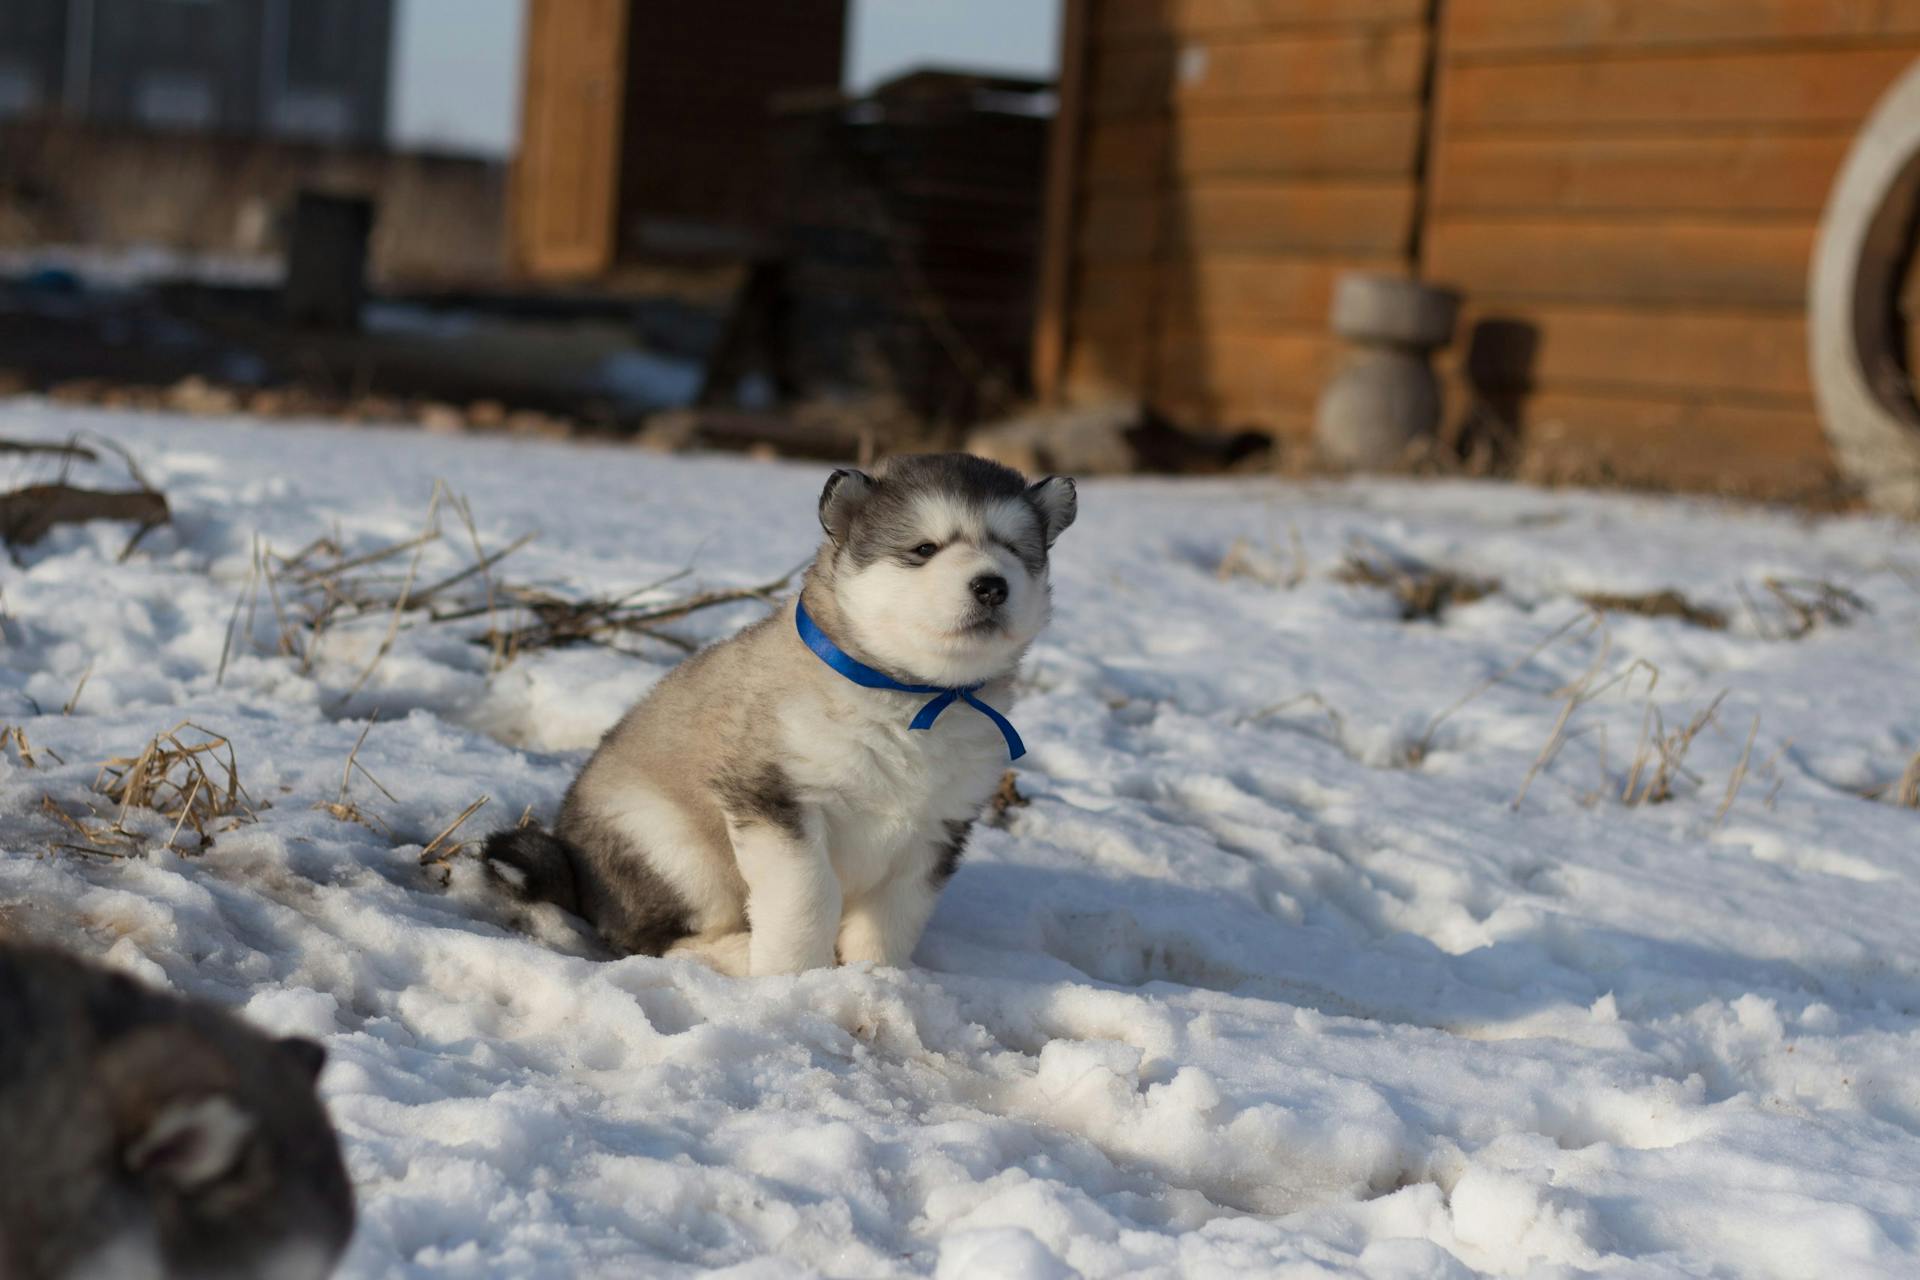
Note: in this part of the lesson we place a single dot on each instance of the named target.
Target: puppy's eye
(926, 550)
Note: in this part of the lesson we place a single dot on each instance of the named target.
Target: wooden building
(645, 127)
(910, 233)
(1626, 192)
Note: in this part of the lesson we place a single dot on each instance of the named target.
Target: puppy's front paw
(862, 941)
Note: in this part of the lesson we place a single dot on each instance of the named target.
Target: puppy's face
(940, 562)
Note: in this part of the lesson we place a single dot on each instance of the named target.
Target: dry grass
(318, 589)
(1243, 560)
(558, 622)
(1661, 757)
(99, 840)
(1417, 749)
(16, 737)
(1424, 591)
(1578, 694)
(189, 774)
(1311, 698)
(443, 848)
(1006, 797)
(1659, 604)
(1793, 607)
(341, 806)
(1739, 775)
(1904, 790)
(28, 514)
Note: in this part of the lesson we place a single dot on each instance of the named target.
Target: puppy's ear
(1057, 502)
(844, 495)
(173, 1097)
(191, 1143)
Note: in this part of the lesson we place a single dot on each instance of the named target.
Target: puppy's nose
(990, 589)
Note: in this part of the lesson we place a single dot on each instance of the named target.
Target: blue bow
(861, 674)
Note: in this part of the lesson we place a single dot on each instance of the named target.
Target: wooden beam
(1337, 66)
(1518, 27)
(1753, 171)
(1728, 353)
(1378, 143)
(1057, 231)
(1702, 262)
(1683, 442)
(566, 181)
(1171, 20)
(1669, 94)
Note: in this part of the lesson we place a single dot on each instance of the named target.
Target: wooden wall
(566, 173)
(645, 126)
(1626, 191)
(911, 218)
(701, 83)
(1218, 163)
(1630, 190)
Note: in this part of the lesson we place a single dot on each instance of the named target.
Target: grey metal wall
(314, 69)
(33, 37)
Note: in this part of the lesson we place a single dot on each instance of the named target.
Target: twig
(1739, 772)
(346, 771)
(74, 699)
(289, 647)
(1579, 694)
(481, 566)
(383, 553)
(226, 646)
(69, 450)
(428, 854)
(1420, 746)
(465, 509)
(400, 604)
(1672, 752)
(186, 807)
(562, 622)
(125, 455)
(1311, 698)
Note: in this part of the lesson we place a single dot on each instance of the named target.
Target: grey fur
(633, 907)
(759, 793)
(845, 490)
(1057, 501)
(90, 1061)
(704, 747)
(876, 521)
(951, 852)
(544, 863)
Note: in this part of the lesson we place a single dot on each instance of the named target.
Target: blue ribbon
(865, 676)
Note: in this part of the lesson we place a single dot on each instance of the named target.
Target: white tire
(1865, 395)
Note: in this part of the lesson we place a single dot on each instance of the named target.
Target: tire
(1865, 396)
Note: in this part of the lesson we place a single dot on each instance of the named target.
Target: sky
(1020, 37)
(456, 67)
(456, 75)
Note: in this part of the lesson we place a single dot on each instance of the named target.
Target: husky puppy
(147, 1136)
(800, 792)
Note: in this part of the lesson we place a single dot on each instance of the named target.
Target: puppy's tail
(535, 865)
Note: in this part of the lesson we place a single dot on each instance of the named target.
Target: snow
(1257, 983)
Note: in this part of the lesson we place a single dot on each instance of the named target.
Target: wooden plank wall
(1632, 189)
(701, 83)
(565, 185)
(1626, 191)
(1220, 161)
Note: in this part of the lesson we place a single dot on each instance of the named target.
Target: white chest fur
(885, 791)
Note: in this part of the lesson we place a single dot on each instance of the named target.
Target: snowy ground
(1257, 983)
